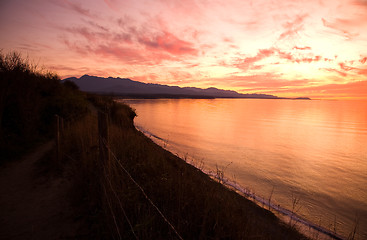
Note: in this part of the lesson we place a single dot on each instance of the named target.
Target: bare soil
(33, 206)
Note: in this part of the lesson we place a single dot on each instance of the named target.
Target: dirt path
(32, 208)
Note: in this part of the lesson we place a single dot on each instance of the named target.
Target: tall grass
(29, 99)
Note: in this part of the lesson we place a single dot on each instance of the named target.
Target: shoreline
(276, 208)
(304, 226)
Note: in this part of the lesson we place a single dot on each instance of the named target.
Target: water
(312, 151)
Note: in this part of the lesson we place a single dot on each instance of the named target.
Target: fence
(105, 160)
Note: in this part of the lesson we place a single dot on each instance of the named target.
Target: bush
(29, 99)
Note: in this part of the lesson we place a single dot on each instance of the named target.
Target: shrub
(29, 99)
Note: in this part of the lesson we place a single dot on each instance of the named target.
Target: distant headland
(127, 88)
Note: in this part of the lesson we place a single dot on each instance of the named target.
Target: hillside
(126, 87)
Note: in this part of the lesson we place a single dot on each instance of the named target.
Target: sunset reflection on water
(312, 150)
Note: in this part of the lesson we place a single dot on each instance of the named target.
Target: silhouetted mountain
(129, 88)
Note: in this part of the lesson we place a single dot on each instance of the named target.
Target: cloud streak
(293, 28)
(340, 27)
(277, 54)
(168, 42)
(73, 6)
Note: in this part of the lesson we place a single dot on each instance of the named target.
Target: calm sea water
(314, 151)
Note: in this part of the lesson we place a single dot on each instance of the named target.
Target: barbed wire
(109, 204)
(142, 191)
(123, 210)
(113, 215)
(140, 188)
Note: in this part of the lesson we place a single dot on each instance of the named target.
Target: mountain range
(125, 87)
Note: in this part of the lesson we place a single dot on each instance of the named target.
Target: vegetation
(141, 191)
(29, 99)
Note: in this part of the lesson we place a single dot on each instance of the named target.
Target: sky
(287, 48)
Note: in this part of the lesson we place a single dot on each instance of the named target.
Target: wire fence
(143, 192)
(107, 180)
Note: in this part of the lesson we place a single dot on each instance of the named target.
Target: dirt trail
(31, 207)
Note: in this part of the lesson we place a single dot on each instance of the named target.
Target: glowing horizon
(285, 48)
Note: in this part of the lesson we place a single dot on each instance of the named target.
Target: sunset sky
(288, 48)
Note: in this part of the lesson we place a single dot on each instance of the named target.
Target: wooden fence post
(57, 135)
(104, 155)
(61, 127)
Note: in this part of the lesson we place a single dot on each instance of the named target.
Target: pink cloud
(87, 33)
(363, 60)
(302, 48)
(228, 40)
(69, 69)
(97, 26)
(351, 89)
(122, 38)
(361, 3)
(340, 26)
(249, 62)
(130, 33)
(290, 57)
(263, 80)
(271, 83)
(346, 70)
(111, 4)
(292, 28)
(78, 48)
(187, 9)
(73, 6)
(344, 67)
(124, 54)
(127, 55)
(137, 56)
(285, 55)
(130, 44)
(130, 55)
(168, 42)
(309, 59)
(148, 78)
(341, 73)
(180, 75)
(362, 71)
